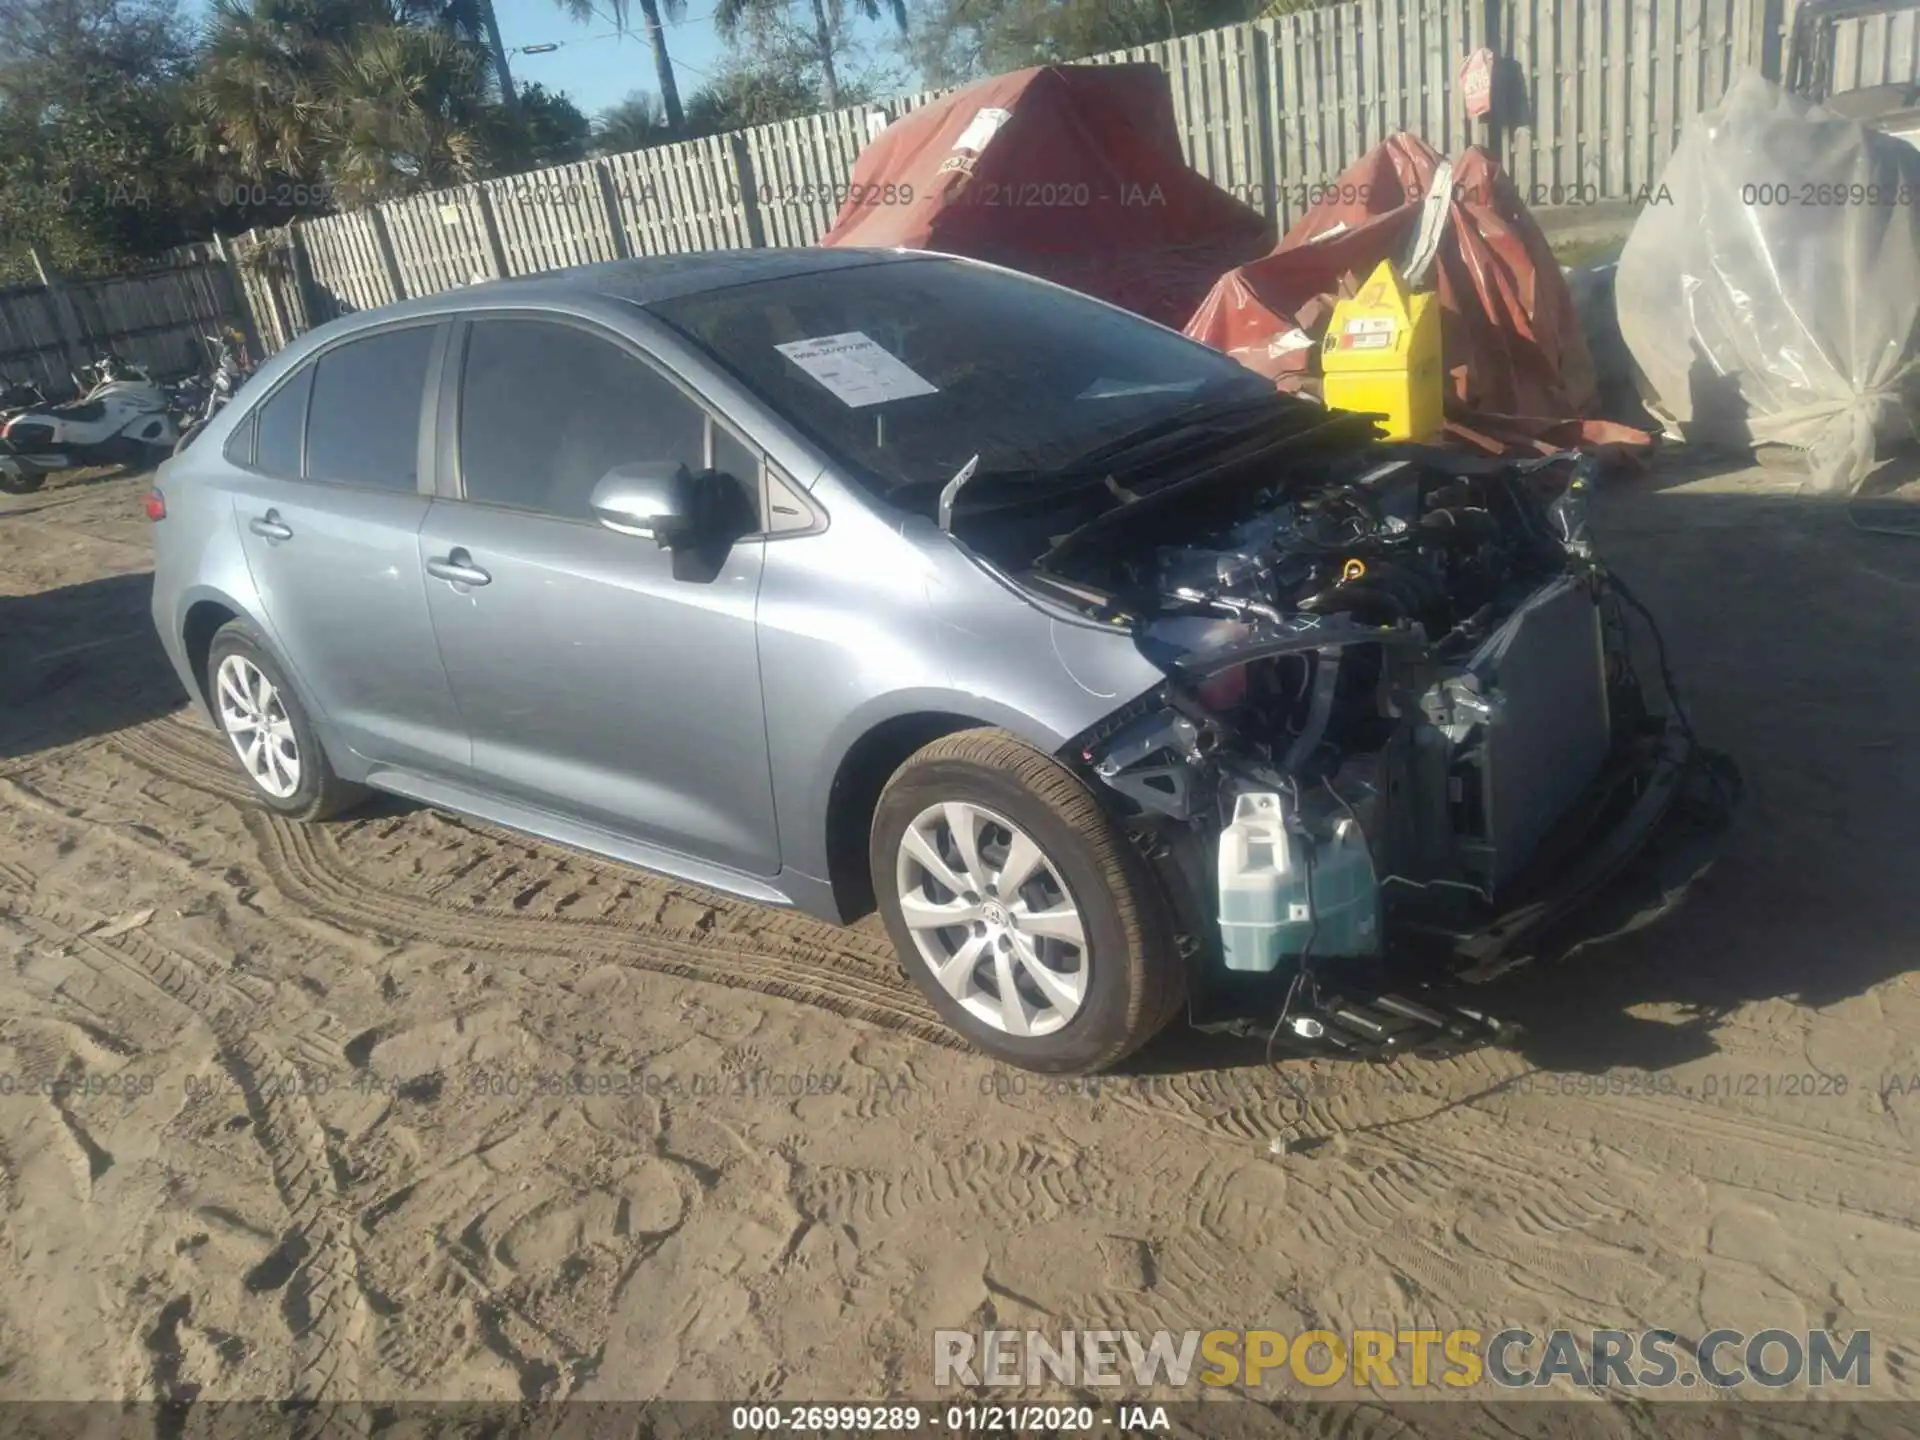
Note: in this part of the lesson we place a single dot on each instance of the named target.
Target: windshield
(908, 370)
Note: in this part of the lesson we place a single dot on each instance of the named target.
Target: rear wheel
(269, 730)
(1019, 908)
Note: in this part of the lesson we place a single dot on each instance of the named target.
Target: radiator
(1546, 733)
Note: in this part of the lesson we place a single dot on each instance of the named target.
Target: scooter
(121, 419)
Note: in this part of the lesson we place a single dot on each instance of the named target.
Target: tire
(1092, 1003)
(315, 791)
(17, 484)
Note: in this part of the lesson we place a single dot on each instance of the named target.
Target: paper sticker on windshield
(854, 367)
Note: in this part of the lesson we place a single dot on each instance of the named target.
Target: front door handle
(268, 526)
(457, 565)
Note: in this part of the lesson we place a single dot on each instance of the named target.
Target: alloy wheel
(256, 721)
(992, 918)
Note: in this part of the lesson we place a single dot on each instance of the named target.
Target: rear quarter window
(280, 424)
(239, 448)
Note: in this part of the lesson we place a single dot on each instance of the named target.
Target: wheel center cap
(993, 913)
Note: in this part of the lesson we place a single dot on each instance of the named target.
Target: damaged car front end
(1401, 740)
(1271, 723)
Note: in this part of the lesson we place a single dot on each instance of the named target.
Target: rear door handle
(268, 526)
(457, 565)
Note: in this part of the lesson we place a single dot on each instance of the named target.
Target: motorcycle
(121, 418)
(198, 400)
(18, 395)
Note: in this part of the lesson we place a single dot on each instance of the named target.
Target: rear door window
(364, 425)
(281, 424)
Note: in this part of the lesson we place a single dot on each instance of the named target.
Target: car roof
(667, 277)
(644, 281)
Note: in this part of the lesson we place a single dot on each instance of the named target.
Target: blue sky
(598, 72)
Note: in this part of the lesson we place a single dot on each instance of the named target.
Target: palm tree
(633, 124)
(650, 11)
(473, 20)
(406, 112)
(730, 15)
(343, 94)
(263, 79)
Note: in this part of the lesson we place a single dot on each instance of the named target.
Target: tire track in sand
(320, 869)
(316, 1265)
(787, 955)
(477, 899)
(1008, 1181)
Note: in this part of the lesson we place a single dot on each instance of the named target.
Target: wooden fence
(1594, 93)
(1868, 50)
(154, 317)
(1591, 96)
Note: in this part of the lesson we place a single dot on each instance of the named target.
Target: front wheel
(1018, 907)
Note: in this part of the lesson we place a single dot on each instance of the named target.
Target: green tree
(545, 128)
(404, 110)
(952, 41)
(265, 74)
(636, 123)
(92, 95)
(120, 137)
(473, 20)
(744, 96)
(359, 100)
(50, 49)
(810, 35)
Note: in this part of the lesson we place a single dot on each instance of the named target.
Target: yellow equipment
(1382, 354)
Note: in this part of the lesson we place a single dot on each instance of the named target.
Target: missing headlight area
(1402, 731)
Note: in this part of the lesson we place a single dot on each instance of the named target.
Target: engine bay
(1395, 674)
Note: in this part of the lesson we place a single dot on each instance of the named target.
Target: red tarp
(1071, 173)
(1519, 374)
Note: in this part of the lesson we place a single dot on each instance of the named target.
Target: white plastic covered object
(1772, 294)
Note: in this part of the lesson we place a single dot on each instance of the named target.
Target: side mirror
(654, 499)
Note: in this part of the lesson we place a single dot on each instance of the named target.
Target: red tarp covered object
(1071, 173)
(1519, 374)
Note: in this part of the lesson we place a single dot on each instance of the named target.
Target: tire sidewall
(237, 639)
(1090, 1037)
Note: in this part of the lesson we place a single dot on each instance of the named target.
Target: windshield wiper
(1226, 415)
(1195, 415)
(1322, 429)
(951, 491)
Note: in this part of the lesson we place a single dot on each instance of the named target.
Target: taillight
(156, 505)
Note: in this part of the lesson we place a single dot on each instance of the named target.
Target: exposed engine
(1395, 544)
(1391, 683)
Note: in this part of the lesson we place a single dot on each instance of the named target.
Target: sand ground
(314, 1143)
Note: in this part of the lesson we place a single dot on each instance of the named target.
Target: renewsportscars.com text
(1510, 1359)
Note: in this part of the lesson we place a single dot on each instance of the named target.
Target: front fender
(990, 657)
(1059, 671)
